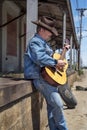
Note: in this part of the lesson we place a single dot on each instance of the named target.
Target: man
(38, 55)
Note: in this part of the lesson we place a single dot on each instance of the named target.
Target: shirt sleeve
(40, 55)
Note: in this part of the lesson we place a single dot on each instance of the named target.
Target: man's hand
(67, 46)
(60, 65)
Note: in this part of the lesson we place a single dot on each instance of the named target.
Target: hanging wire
(77, 6)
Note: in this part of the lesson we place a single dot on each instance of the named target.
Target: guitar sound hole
(52, 69)
(59, 73)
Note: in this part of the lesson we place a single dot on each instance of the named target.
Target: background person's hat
(47, 23)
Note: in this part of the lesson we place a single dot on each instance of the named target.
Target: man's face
(47, 34)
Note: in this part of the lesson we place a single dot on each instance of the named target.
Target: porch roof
(56, 8)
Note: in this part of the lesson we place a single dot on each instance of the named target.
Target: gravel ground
(77, 118)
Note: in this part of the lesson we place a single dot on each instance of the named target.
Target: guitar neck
(63, 54)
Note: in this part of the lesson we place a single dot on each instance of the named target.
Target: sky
(81, 4)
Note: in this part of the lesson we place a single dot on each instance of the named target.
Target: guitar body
(56, 76)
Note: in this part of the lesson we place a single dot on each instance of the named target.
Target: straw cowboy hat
(47, 23)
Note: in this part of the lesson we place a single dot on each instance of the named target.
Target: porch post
(71, 52)
(74, 57)
(31, 15)
(1, 38)
(64, 27)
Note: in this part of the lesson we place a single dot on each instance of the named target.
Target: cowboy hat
(47, 23)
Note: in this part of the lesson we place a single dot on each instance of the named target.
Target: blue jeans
(56, 118)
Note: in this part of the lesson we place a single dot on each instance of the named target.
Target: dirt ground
(77, 118)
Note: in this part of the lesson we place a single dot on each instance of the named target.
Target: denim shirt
(38, 54)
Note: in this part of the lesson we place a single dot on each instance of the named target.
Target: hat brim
(51, 29)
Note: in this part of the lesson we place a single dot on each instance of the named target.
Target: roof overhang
(56, 9)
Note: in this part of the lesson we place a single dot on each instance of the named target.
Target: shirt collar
(37, 35)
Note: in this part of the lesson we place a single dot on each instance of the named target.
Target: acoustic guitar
(56, 76)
